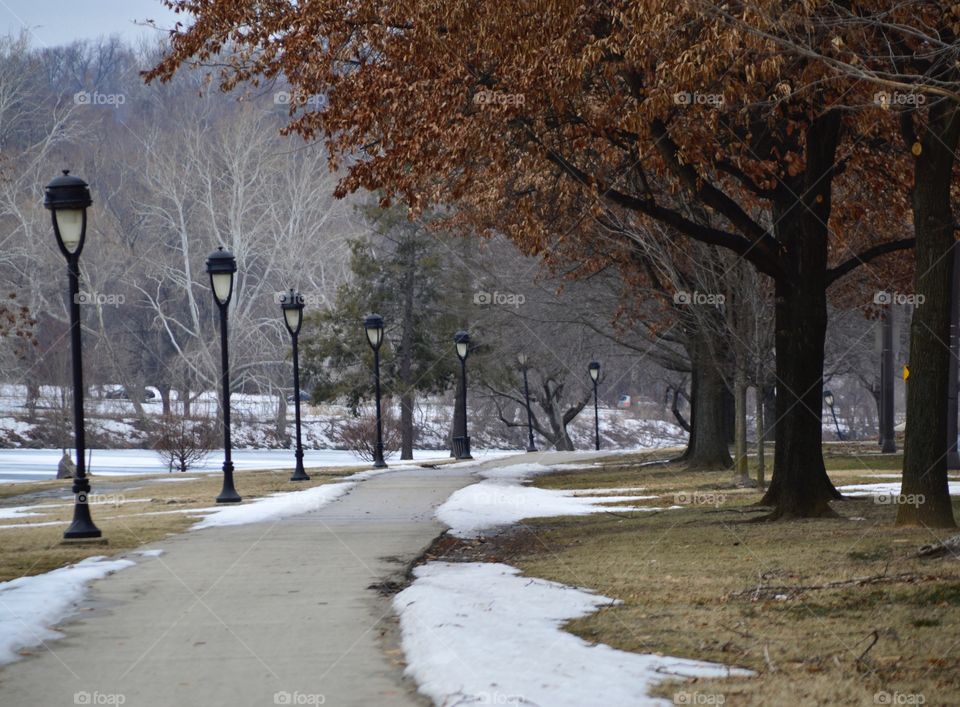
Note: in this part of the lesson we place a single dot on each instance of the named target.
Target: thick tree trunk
(707, 448)
(800, 487)
(925, 494)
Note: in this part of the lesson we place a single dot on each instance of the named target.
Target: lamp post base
(298, 473)
(378, 462)
(82, 526)
(228, 494)
(531, 448)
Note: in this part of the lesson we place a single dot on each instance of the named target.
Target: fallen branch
(784, 593)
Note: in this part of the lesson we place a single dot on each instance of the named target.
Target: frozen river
(41, 464)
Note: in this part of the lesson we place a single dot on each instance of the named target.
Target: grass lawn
(833, 611)
(150, 509)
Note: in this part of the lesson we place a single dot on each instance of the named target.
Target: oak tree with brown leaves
(539, 119)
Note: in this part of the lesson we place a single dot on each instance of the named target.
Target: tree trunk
(800, 487)
(405, 364)
(741, 473)
(406, 425)
(924, 487)
(761, 433)
(185, 402)
(707, 448)
(282, 434)
(33, 396)
(165, 399)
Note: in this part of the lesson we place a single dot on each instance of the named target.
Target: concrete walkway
(262, 614)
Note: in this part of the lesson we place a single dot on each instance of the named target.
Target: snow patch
(490, 504)
(275, 506)
(29, 606)
(892, 489)
(479, 633)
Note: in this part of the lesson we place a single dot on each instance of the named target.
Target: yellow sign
(906, 371)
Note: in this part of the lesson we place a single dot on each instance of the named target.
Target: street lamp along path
(461, 441)
(222, 267)
(594, 369)
(68, 198)
(291, 304)
(373, 326)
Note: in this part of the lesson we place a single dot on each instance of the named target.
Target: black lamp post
(595, 377)
(68, 198)
(292, 305)
(828, 399)
(221, 266)
(373, 325)
(522, 359)
(461, 443)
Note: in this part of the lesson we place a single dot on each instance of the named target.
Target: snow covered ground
(30, 606)
(886, 490)
(480, 633)
(503, 498)
(283, 505)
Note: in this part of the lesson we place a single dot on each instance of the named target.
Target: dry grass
(149, 509)
(707, 582)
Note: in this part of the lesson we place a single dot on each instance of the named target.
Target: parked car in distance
(304, 397)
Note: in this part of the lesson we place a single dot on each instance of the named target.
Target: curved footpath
(261, 614)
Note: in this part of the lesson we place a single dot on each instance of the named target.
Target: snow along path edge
(482, 633)
(30, 606)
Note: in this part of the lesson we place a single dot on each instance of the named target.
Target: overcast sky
(52, 22)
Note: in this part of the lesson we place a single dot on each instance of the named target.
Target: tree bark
(741, 474)
(925, 485)
(800, 487)
(405, 364)
(406, 425)
(707, 447)
(164, 389)
(281, 427)
(761, 434)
